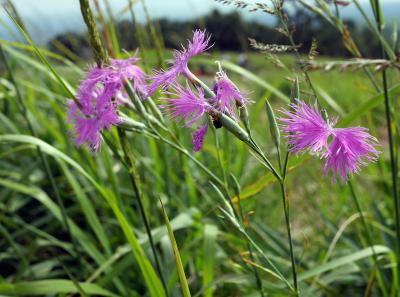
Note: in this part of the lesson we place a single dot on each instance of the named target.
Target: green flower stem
(244, 136)
(101, 57)
(267, 260)
(176, 145)
(286, 208)
(249, 248)
(238, 215)
(234, 128)
(135, 181)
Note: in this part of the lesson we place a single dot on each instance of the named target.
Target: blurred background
(56, 23)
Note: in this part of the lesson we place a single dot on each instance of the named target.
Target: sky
(47, 18)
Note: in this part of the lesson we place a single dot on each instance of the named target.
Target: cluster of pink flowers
(192, 106)
(98, 97)
(348, 150)
(345, 150)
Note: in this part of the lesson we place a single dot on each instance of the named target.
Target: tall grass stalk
(393, 159)
(101, 57)
(249, 248)
(278, 5)
(156, 38)
(238, 215)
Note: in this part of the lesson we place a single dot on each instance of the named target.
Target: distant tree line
(230, 33)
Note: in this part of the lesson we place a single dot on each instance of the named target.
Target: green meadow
(71, 225)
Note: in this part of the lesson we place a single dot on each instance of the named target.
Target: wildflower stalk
(275, 133)
(101, 56)
(286, 206)
(135, 181)
(240, 214)
(219, 157)
(267, 260)
(289, 35)
(368, 237)
(393, 162)
(244, 136)
(356, 53)
(235, 129)
(249, 248)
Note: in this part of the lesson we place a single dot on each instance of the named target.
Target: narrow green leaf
(53, 286)
(367, 105)
(55, 210)
(178, 261)
(336, 263)
(273, 125)
(87, 209)
(209, 250)
(150, 276)
(62, 82)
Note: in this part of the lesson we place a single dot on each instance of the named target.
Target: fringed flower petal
(198, 137)
(179, 65)
(306, 129)
(350, 149)
(98, 97)
(227, 94)
(186, 104)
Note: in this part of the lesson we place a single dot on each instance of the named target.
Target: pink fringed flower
(227, 93)
(189, 107)
(306, 129)
(179, 65)
(197, 45)
(198, 137)
(127, 69)
(98, 98)
(349, 149)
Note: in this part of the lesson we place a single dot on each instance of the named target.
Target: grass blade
(54, 286)
(209, 250)
(178, 262)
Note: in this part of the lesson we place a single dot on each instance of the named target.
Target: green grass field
(87, 238)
